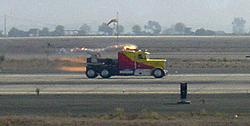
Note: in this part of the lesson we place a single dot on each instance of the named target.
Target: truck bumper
(166, 72)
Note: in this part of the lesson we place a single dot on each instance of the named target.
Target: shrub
(2, 58)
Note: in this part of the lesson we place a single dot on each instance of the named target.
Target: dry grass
(219, 110)
(186, 52)
(209, 63)
(120, 118)
(65, 64)
(39, 65)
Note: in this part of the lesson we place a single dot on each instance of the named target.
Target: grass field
(185, 54)
(145, 119)
(174, 66)
(131, 110)
(156, 44)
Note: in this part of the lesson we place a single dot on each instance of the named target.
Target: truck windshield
(142, 56)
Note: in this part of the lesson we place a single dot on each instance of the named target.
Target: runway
(79, 84)
(75, 95)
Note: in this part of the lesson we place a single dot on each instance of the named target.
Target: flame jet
(93, 54)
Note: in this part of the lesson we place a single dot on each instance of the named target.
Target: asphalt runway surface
(75, 95)
(79, 84)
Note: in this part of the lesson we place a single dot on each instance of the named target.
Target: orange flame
(73, 60)
(73, 69)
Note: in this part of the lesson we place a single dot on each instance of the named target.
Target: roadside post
(183, 93)
(37, 91)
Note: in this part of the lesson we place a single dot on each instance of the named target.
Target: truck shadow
(124, 78)
(117, 78)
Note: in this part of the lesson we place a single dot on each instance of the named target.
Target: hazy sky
(212, 14)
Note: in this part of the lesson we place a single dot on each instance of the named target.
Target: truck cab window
(141, 56)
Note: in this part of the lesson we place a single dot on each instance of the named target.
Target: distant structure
(71, 32)
(5, 26)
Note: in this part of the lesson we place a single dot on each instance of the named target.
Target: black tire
(105, 73)
(158, 73)
(90, 73)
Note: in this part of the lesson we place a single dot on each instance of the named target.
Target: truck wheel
(158, 73)
(105, 73)
(91, 73)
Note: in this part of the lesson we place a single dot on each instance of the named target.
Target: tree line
(150, 28)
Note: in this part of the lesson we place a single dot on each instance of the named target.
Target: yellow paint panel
(156, 63)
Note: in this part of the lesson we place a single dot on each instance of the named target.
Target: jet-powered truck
(130, 61)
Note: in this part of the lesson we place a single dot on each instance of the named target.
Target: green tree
(204, 32)
(44, 32)
(33, 32)
(137, 30)
(105, 29)
(179, 28)
(84, 29)
(59, 31)
(239, 26)
(188, 31)
(153, 27)
(14, 32)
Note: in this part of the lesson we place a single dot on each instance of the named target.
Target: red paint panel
(125, 62)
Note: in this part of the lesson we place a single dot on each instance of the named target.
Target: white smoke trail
(109, 48)
(110, 51)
